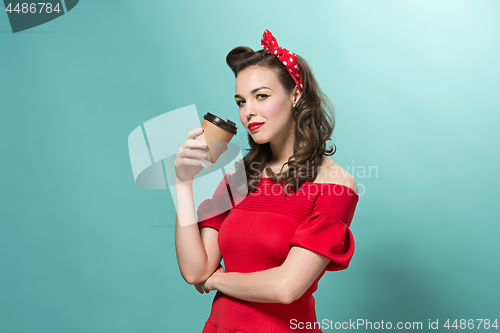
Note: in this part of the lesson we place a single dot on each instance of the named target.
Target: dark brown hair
(314, 119)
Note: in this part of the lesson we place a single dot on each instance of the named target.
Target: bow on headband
(270, 45)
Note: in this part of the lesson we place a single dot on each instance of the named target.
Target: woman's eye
(262, 96)
(240, 102)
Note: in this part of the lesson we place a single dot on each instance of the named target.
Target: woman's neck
(325, 162)
(282, 145)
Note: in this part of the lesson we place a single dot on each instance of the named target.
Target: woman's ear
(296, 95)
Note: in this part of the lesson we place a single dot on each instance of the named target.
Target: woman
(276, 245)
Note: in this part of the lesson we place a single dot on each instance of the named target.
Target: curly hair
(314, 124)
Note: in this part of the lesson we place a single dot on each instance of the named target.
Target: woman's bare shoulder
(332, 173)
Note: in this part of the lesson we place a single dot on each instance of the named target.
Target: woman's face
(261, 98)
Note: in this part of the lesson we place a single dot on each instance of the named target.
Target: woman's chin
(259, 140)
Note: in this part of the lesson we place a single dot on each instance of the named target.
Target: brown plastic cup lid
(228, 125)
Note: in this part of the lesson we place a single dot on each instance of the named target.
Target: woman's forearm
(191, 255)
(264, 286)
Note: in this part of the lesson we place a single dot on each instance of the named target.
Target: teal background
(415, 88)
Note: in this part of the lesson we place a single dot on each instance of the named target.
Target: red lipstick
(254, 126)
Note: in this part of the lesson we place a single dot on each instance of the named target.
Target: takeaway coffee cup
(216, 133)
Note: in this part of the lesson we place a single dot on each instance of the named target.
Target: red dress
(257, 234)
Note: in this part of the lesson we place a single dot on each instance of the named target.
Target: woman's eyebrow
(253, 91)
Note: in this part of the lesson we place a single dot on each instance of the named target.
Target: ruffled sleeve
(326, 231)
(211, 212)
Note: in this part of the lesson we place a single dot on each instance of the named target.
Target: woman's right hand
(200, 288)
(188, 159)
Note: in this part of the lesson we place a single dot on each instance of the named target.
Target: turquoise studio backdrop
(415, 88)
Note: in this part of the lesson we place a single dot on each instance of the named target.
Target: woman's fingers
(189, 157)
(190, 154)
(188, 160)
(193, 133)
(200, 289)
(193, 144)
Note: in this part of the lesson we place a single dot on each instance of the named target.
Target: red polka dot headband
(270, 45)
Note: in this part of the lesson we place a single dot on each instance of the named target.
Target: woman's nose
(249, 110)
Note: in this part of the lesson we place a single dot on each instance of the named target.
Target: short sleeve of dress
(326, 231)
(212, 212)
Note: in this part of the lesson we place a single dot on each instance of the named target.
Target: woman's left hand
(208, 285)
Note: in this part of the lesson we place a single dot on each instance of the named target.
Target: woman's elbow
(191, 278)
(195, 278)
(287, 295)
